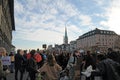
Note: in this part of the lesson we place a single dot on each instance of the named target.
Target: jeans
(16, 74)
(12, 67)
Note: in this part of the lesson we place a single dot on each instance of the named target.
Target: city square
(59, 40)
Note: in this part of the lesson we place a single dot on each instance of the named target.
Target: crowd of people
(45, 65)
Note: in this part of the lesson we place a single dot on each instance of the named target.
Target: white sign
(88, 71)
(6, 60)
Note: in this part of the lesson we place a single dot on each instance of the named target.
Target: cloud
(45, 20)
(85, 20)
(18, 8)
(40, 35)
(113, 16)
(99, 2)
(100, 15)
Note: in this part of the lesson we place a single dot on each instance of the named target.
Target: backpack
(29, 67)
(40, 64)
(38, 58)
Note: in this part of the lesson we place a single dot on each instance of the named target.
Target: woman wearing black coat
(32, 66)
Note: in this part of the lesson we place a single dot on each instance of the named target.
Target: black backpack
(29, 66)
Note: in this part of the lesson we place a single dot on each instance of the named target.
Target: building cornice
(97, 31)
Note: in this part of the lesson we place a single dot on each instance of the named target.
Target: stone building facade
(7, 24)
(98, 40)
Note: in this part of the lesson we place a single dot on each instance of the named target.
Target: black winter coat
(107, 69)
(19, 61)
(32, 65)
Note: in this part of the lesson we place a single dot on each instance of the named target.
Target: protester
(50, 68)
(60, 59)
(106, 68)
(65, 60)
(38, 63)
(78, 64)
(32, 65)
(12, 62)
(19, 64)
(89, 60)
(71, 66)
(110, 50)
(3, 73)
(44, 55)
(113, 55)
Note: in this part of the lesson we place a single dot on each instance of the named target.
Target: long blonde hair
(3, 51)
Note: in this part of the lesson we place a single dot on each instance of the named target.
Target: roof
(97, 31)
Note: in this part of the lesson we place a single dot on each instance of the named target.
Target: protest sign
(6, 60)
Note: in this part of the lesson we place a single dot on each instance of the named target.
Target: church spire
(65, 32)
(65, 37)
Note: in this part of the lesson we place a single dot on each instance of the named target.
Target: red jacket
(37, 57)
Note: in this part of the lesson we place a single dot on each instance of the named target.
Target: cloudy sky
(40, 22)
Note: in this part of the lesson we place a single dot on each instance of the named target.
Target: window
(87, 34)
(110, 43)
(103, 43)
(110, 32)
(101, 31)
(104, 31)
(103, 39)
(99, 39)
